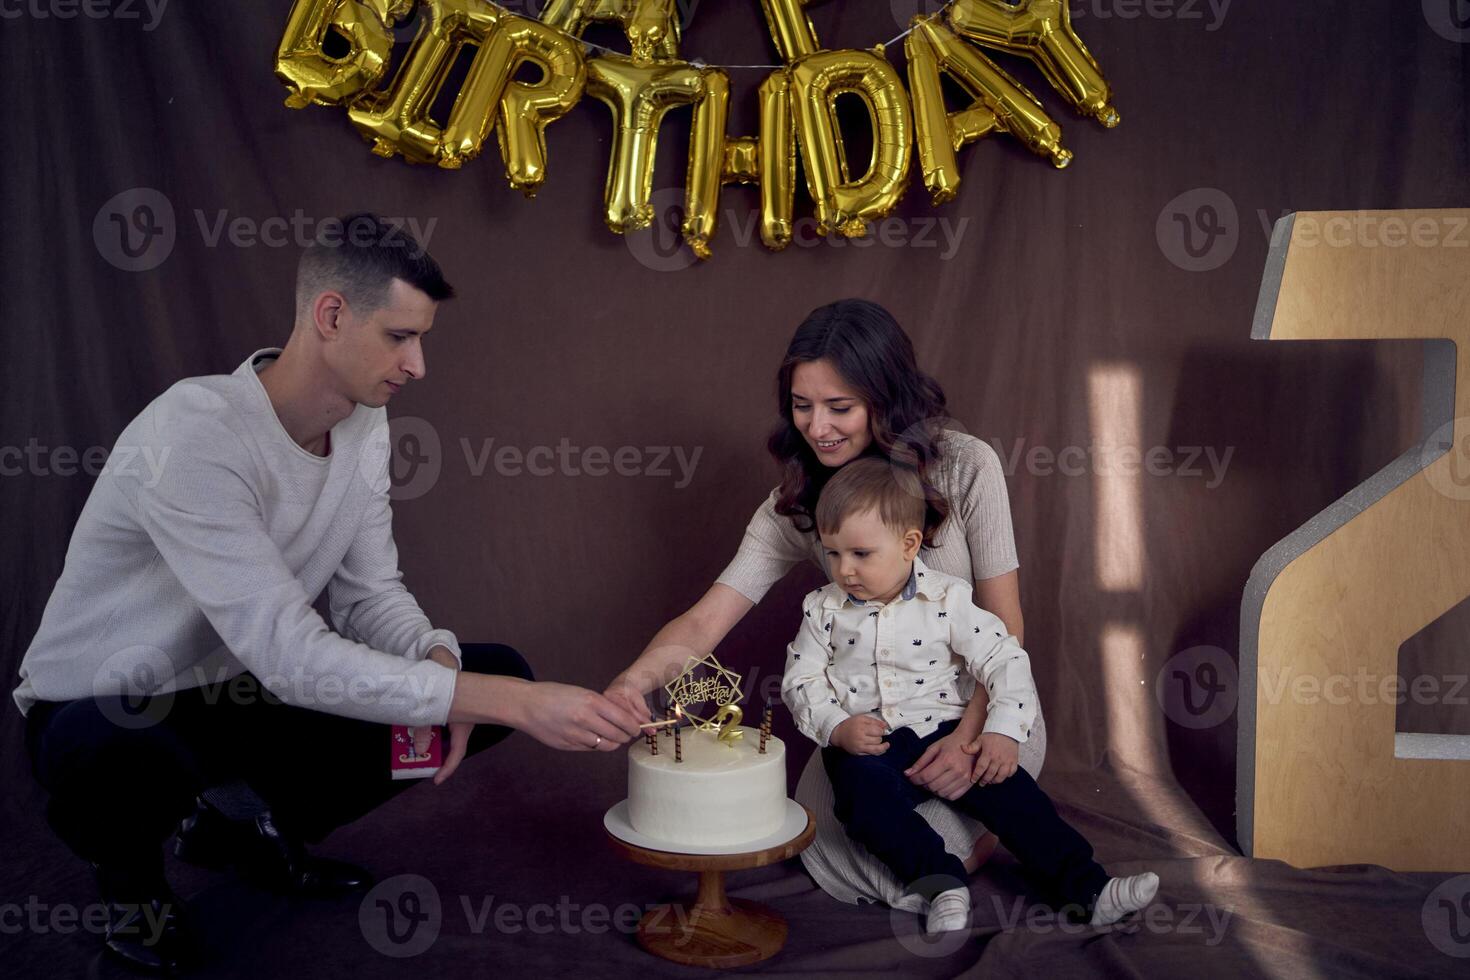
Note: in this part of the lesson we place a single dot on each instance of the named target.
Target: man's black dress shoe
(146, 924)
(260, 853)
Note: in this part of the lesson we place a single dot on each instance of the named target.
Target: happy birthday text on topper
(721, 688)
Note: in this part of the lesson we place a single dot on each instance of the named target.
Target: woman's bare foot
(984, 847)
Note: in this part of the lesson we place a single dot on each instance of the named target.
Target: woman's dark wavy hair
(906, 408)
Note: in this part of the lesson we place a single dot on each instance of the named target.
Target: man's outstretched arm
(559, 715)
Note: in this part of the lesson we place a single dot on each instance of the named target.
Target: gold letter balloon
(845, 203)
(340, 52)
(309, 73)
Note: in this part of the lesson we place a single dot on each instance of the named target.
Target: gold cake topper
(720, 688)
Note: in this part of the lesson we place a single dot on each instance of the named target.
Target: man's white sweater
(202, 547)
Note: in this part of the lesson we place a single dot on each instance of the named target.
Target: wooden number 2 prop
(1328, 780)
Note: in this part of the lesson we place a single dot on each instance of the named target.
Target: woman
(850, 387)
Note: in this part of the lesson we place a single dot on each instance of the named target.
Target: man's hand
(944, 768)
(995, 758)
(574, 718)
(625, 695)
(459, 731)
(861, 735)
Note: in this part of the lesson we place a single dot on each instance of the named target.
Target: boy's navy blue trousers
(121, 773)
(875, 802)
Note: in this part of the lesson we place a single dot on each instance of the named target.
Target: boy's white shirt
(903, 660)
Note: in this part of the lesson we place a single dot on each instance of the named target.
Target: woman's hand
(861, 735)
(944, 769)
(626, 696)
(995, 758)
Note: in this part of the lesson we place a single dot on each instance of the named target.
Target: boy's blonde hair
(866, 484)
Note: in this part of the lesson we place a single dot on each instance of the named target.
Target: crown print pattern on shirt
(916, 650)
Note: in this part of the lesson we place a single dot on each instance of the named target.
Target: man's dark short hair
(359, 256)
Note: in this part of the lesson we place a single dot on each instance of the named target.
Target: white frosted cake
(721, 793)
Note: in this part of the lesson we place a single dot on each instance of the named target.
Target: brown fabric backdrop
(563, 332)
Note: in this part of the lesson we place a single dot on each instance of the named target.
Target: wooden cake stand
(716, 931)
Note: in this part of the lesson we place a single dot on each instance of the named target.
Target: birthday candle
(765, 725)
(678, 736)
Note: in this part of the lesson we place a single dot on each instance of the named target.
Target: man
(180, 648)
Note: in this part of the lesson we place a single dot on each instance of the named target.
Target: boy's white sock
(1123, 895)
(949, 911)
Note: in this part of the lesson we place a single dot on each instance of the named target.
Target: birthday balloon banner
(337, 52)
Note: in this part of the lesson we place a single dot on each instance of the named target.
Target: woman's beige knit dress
(975, 543)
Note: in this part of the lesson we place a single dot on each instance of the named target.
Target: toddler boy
(874, 678)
